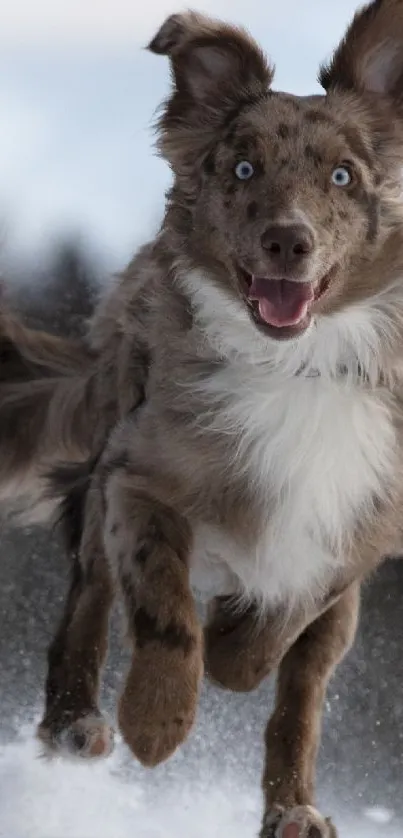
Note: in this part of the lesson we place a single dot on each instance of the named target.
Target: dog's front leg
(241, 650)
(293, 732)
(148, 546)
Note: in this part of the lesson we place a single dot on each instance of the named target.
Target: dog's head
(288, 199)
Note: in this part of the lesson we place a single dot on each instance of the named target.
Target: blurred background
(80, 188)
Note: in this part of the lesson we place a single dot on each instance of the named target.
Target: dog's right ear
(212, 63)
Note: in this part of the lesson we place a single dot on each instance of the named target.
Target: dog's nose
(288, 243)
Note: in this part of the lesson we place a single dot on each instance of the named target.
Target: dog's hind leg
(72, 720)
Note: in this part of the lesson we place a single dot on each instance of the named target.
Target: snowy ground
(75, 156)
(211, 788)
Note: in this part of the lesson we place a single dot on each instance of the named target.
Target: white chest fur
(323, 448)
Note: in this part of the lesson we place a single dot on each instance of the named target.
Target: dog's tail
(49, 413)
(27, 354)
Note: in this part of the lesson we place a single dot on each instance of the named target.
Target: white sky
(117, 22)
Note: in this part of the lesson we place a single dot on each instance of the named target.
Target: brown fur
(136, 405)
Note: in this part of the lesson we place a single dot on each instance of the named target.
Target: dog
(233, 421)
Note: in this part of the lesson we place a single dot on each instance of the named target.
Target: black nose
(288, 243)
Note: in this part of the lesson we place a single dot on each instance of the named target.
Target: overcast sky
(77, 97)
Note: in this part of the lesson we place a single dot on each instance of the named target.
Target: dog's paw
(89, 737)
(158, 706)
(299, 822)
(237, 656)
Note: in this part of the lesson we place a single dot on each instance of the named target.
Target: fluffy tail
(27, 354)
(51, 407)
(49, 413)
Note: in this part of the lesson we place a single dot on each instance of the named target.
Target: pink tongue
(281, 301)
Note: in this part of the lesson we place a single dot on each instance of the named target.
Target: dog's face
(286, 197)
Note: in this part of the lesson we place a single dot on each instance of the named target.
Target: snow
(62, 800)
(41, 798)
(211, 787)
(378, 814)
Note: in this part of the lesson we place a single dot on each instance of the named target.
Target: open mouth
(282, 307)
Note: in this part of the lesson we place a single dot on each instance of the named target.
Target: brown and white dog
(238, 410)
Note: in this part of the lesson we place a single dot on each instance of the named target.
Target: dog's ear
(370, 56)
(173, 33)
(213, 64)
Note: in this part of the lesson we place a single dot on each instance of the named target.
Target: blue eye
(341, 176)
(244, 170)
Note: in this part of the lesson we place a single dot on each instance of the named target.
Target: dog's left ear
(212, 63)
(370, 56)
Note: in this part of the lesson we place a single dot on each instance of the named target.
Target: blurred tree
(60, 293)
